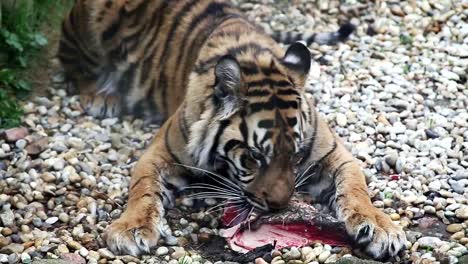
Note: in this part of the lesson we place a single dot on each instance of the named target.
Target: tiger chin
(233, 104)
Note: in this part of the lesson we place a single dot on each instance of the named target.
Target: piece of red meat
(300, 224)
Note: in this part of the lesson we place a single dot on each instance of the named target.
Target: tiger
(233, 107)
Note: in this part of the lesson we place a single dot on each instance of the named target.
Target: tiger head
(261, 112)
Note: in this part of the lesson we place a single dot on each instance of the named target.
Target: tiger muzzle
(275, 185)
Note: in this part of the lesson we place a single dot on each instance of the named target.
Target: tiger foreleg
(138, 228)
(367, 225)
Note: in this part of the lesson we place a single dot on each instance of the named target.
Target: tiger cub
(235, 110)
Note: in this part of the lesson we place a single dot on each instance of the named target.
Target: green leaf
(40, 39)
(14, 42)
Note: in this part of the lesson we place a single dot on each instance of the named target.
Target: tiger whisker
(304, 181)
(222, 206)
(212, 196)
(305, 171)
(223, 181)
(243, 211)
(211, 189)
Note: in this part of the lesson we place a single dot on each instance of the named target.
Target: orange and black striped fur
(235, 111)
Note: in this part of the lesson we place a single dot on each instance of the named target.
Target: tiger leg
(337, 181)
(367, 225)
(139, 227)
(84, 63)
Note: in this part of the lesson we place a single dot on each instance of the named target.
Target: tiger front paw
(376, 233)
(132, 236)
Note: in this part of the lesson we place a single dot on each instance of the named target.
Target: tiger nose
(278, 196)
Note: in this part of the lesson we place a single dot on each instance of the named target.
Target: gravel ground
(396, 92)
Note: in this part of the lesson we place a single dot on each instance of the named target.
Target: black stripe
(163, 86)
(249, 69)
(270, 71)
(126, 81)
(338, 170)
(287, 92)
(80, 51)
(267, 136)
(261, 106)
(178, 18)
(231, 144)
(258, 92)
(283, 104)
(150, 97)
(243, 128)
(207, 64)
(213, 9)
(335, 145)
(114, 27)
(182, 124)
(310, 147)
(222, 126)
(269, 82)
(167, 145)
(267, 124)
(292, 121)
(138, 182)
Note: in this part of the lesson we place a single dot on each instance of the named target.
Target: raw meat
(298, 225)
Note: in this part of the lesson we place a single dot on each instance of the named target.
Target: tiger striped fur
(234, 105)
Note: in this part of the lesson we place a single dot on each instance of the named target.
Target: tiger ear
(297, 59)
(227, 85)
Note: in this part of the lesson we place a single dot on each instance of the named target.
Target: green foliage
(21, 38)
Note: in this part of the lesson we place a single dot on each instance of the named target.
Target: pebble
(323, 256)
(106, 253)
(453, 228)
(462, 212)
(429, 242)
(3, 258)
(161, 251)
(52, 220)
(178, 252)
(341, 120)
(12, 248)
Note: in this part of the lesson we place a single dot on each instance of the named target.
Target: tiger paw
(132, 236)
(101, 106)
(376, 233)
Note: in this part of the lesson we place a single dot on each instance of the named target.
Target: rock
(354, 260)
(178, 253)
(83, 252)
(106, 253)
(25, 258)
(171, 240)
(21, 143)
(161, 251)
(3, 258)
(52, 220)
(73, 258)
(453, 228)
(341, 120)
(293, 253)
(12, 248)
(7, 218)
(37, 146)
(62, 249)
(324, 256)
(14, 134)
(462, 212)
(429, 242)
(458, 235)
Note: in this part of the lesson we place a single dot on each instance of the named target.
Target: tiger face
(262, 112)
